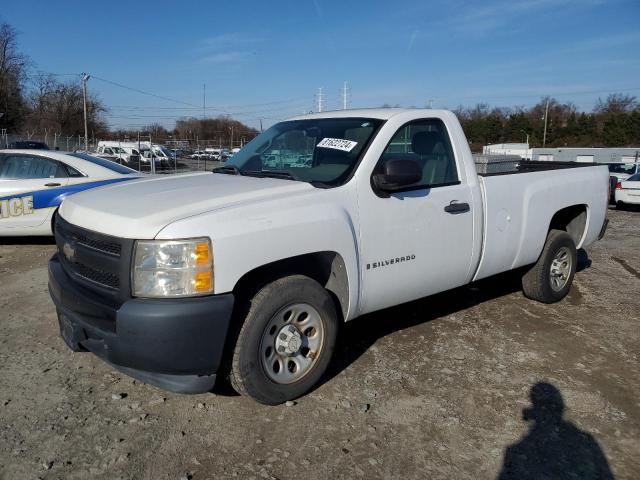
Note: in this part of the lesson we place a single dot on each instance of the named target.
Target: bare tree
(616, 103)
(13, 67)
(57, 106)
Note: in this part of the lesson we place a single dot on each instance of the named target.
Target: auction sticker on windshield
(337, 144)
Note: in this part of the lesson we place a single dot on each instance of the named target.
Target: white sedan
(33, 184)
(628, 191)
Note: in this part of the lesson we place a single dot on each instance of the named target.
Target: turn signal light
(204, 281)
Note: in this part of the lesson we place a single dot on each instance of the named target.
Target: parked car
(33, 183)
(620, 171)
(198, 154)
(627, 191)
(28, 145)
(255, 267)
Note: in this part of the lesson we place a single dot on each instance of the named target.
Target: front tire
(549, 280)
(286, 340)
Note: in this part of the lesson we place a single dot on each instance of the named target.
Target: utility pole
(261, 126)
(204, 102)
(546, 114)
(345, 94)
(153, 160)
(319, 98)
(85, 77)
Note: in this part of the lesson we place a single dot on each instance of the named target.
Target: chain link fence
(182, 158)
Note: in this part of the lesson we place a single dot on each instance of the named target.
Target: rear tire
(273, 362)
(549, 279)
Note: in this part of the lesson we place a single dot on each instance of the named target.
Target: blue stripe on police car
(53, 197)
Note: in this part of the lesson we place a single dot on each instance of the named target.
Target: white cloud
(226, 57)
(487, 16)
(229, 48)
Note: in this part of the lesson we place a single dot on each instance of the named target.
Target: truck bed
(518, 210)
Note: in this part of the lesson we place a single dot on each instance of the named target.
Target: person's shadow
(553, 448)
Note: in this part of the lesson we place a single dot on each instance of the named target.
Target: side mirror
(398, 173)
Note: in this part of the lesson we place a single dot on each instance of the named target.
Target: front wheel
(549, 280)
(286, 340)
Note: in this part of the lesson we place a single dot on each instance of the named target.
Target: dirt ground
(438, 388)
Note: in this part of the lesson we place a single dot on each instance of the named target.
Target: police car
(33, 184)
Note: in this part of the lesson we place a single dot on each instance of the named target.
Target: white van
(113, 149)
(138, 154)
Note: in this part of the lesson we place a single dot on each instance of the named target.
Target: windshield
(161, 151)
(322, 150)
(103, 162)
(622, 168)
(634, 178)
(118, 150)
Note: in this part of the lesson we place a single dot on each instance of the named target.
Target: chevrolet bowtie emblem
(69, 251)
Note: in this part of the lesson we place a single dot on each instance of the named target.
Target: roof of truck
(381, 113)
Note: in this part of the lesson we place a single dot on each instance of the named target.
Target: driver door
(413, 242)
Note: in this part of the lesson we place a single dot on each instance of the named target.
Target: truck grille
(100, 277)
(111, 248)
(96, 261)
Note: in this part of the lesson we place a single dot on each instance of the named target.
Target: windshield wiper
(228, 170)
(271, 173)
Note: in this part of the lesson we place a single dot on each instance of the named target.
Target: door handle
(454, 207)
(52, 184)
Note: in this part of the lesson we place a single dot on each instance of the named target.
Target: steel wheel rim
(282, 362)
(561, 266)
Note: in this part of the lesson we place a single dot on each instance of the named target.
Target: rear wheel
(549, 280)
(286, 340)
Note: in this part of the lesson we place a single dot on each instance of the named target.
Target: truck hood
(141, 208)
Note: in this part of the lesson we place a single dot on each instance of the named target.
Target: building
(587, 155)
(566, 154)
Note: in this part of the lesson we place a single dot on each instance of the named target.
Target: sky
(265, 60)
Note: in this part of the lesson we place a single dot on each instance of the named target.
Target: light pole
(546, 114)
(85, 77)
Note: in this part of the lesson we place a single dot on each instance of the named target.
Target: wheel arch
(326, 267)
(573, 220)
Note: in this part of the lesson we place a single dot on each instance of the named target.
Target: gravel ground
(439, 388)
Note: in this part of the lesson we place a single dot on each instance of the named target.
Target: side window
(72, 172)
(27, 167)
(427, 143)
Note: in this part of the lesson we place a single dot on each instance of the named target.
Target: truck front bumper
(175, 344)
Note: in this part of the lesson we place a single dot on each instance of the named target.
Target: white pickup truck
(249, 271)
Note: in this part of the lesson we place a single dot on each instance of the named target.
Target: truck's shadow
(358, 335)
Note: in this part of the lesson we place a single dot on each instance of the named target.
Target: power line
(143, 92)
(500, 97)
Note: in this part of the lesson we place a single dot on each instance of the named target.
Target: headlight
(173, 268)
